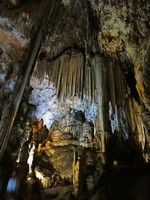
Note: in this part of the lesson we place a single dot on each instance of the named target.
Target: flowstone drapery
(74, 85)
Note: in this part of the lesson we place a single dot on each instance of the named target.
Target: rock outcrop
(74, 94)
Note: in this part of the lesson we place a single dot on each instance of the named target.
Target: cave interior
(74, 100)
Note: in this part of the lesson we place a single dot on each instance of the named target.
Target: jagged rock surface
(90, 91)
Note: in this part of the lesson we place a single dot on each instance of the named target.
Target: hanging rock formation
(74, 103)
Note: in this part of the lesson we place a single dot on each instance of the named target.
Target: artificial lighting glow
(44, 180)
(19, 154)
(31, 155)
(13, 184)
(118, 120)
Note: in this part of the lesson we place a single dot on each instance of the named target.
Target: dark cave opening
(131, 82)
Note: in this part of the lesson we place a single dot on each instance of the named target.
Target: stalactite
(69, 80)
(98, 70)
(55, 72)
(49, 70)
(74, 76)
(81, 76)
(41, 69)
(54, 66)
(89, 85)
(59, 76)
(74, 63)
(112, 85)
(77, 92)
(92, 84)
(118, 84)
(98, 65)
(64, 77)
(86, 80)
(132, 116)
(77, 69)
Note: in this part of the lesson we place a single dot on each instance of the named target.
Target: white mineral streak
(118, 121)
(2, 76)
(45, 180)
(30, 158)
(11, 84)
(113, 119)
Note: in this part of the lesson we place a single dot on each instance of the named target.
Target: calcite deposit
(74, 98)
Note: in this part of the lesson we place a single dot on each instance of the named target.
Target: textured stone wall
(89, 82)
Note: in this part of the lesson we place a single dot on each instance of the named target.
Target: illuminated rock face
(90, 86)
(50, 107)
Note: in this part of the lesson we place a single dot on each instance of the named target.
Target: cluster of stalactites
(69, 74)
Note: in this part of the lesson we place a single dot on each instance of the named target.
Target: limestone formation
(74, 96)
